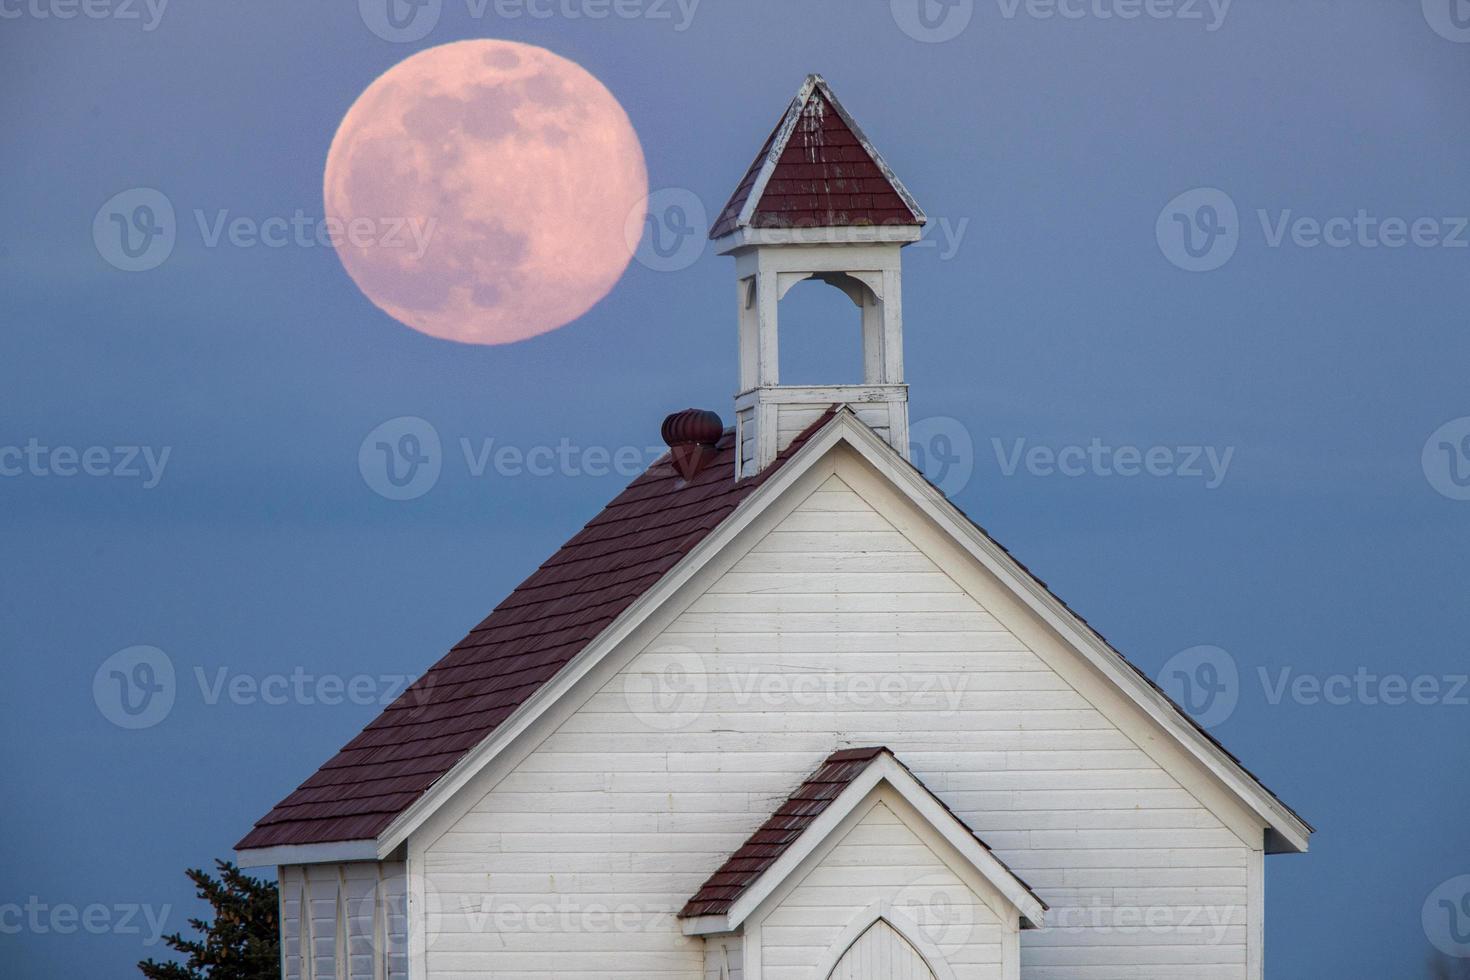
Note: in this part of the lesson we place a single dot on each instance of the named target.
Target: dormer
(818, 202)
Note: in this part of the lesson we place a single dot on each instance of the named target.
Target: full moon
(481, 191)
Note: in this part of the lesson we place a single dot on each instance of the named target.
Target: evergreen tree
(241, 943)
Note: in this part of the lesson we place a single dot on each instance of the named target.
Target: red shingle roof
(642, 534)
(786, 825)
(825, 174)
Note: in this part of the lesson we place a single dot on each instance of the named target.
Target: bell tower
(818, 203)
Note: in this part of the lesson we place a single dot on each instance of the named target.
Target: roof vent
(692, 436)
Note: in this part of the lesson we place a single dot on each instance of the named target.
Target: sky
(1187, 334)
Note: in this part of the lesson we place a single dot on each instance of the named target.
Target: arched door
(881, 954)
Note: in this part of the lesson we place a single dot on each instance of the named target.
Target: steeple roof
(817, 170)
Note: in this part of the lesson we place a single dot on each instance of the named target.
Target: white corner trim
(778, 146)
(337, 852)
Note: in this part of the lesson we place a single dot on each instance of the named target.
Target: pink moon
(491, 184)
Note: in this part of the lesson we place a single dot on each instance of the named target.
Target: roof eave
(333, 852)
(748, 237)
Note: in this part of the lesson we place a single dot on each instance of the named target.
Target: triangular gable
(818, 170)
(812, 815)
(1286, 831)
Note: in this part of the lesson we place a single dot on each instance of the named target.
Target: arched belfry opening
(822, 322)
(819, 203)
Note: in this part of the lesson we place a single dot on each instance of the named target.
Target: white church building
(781, 711)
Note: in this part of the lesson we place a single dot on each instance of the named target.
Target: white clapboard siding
(724, 959)
(835, 630)
(880, 860)
(353, 917)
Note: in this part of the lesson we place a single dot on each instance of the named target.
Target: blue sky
(1057, 313)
